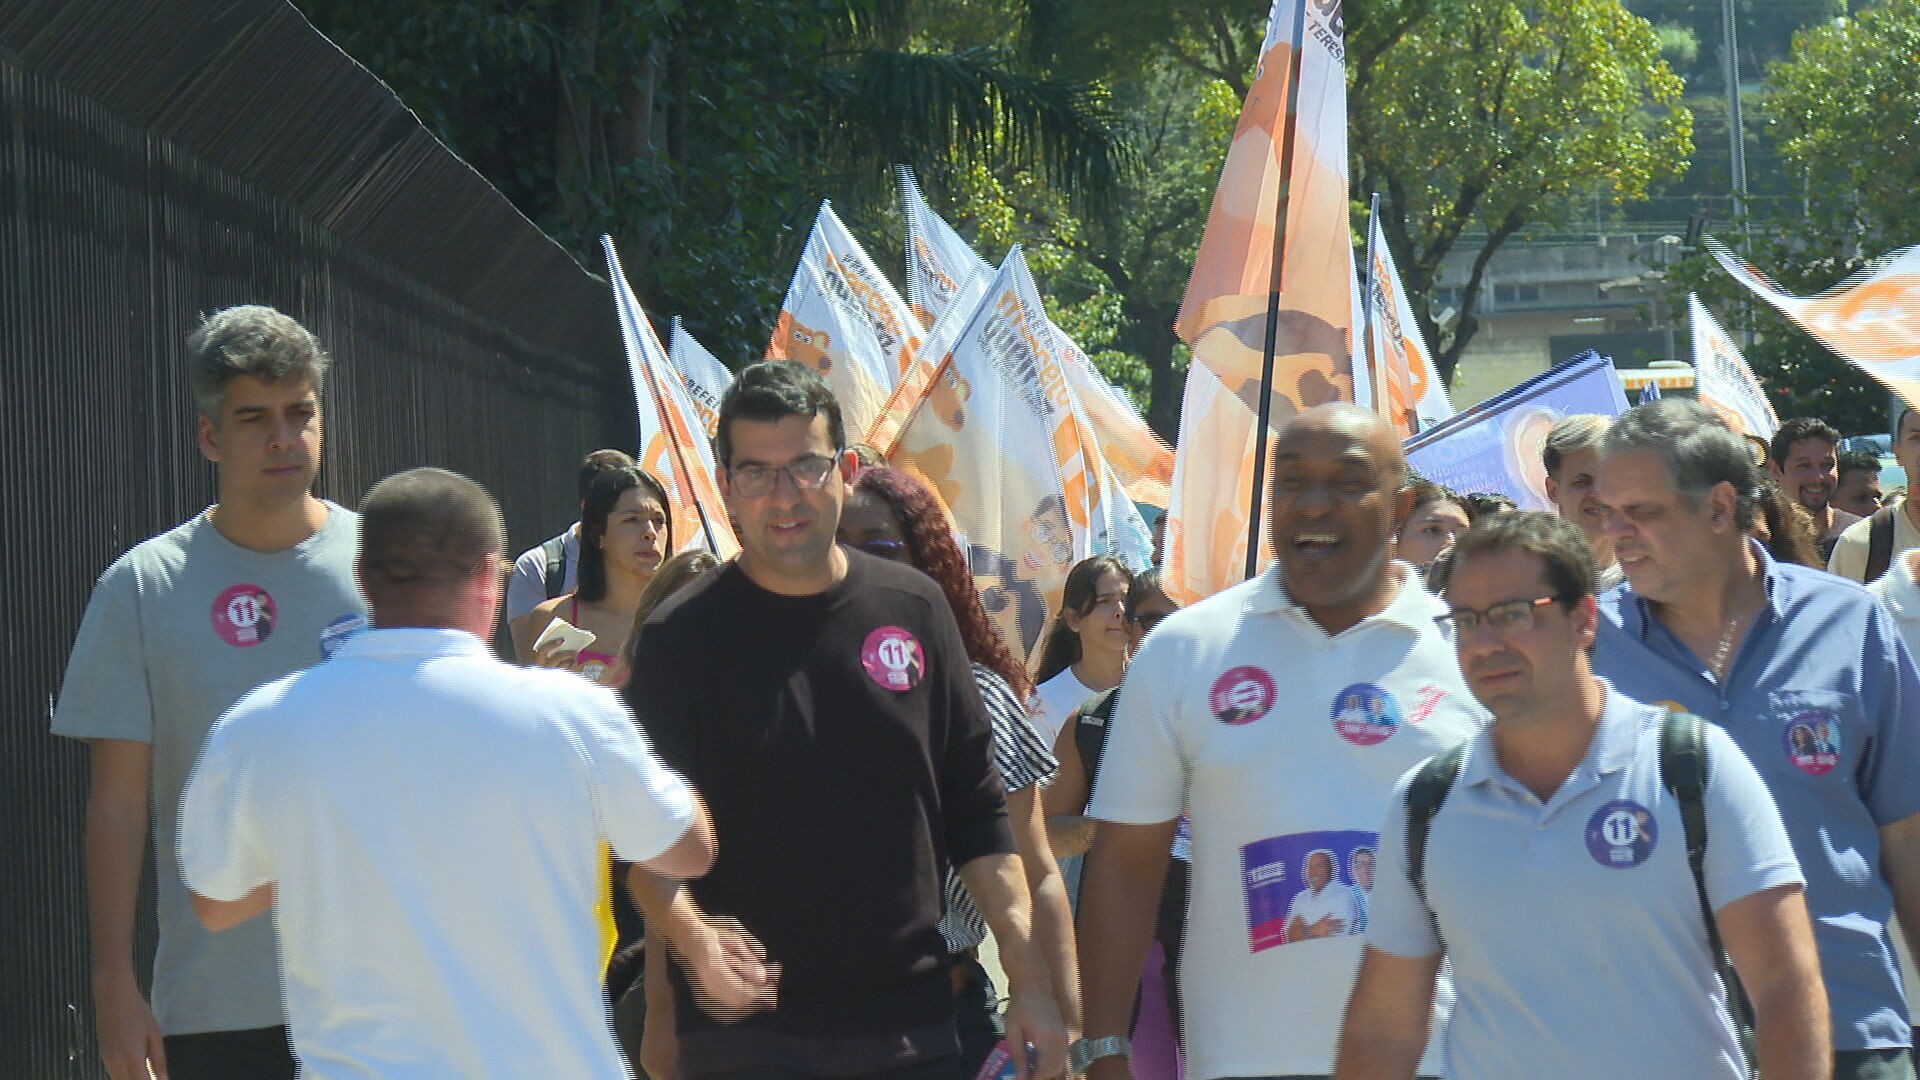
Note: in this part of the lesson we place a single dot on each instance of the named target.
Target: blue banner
(1495, 446)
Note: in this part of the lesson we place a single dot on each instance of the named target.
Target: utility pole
(1730, 45)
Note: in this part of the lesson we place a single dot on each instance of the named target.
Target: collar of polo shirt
(1412, 605)
(1637, 615)
(1612, 748)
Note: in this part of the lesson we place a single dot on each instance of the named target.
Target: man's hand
(1034, 1018)
(1328, 926)
(729, 971)
(129, 1035)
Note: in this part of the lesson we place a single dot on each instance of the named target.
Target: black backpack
(556, 552)
(1880, 543)
(1683, 772)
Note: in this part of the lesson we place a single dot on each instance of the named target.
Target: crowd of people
(1451, 789)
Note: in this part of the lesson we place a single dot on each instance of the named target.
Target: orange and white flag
(1299, 88)
(998, 437)
(1407, 389)
(1726, 384)
(673, 442)
(707, 379)
(939, 260)
(844, 319)
(1872, 319)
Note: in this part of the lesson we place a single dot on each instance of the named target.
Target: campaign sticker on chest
(1241, 696)
(336, 633)
(1306, 886)
(1365, 714)
(1621, 834)
(893, 659)
(243, 615)
(1812, 741)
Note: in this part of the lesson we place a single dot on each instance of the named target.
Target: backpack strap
(1424, 798)
(1683, 772)
(1880, 542)
(555, 549)
(1091, 723)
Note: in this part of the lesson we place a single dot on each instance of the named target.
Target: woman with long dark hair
(1085, 650)
(625, 532)
(891, 515)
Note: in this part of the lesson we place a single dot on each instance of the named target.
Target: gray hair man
(1805, 672)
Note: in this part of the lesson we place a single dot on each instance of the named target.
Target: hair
(1858, 461)
(933, 550)
(1790, 535)
(676, 573)
(1425, 494)
(1143, 588)
(250, 340)
(601, 499)
(1795, 430)
(1060, 649)
(867, 455)
(1485, 504)
(773, 390)
(600, 461)
(1572, 435)
(1557, 542)
(424, 534)
(1899, 419)
(1699, 451)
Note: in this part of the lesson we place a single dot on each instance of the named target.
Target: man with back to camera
(822, 701)
(1709, 622)
(177, 629)
(534, 579)
(459, 903)
(1588, 955)
(1278, 714)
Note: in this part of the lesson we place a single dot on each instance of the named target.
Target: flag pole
(1289, 123)
(1369, 315)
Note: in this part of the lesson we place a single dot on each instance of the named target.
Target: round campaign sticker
(893, 659)
(1242, 695)
(335, 634)
(243, 615)
(1812, 741)
(1365, 714)
(1621, 834)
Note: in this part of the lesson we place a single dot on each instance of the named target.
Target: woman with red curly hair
(891, 515)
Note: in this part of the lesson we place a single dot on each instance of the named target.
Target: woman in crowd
(1435, 518)
(625, 532)
(1785, 528)
(891, 515)
(1085, 648)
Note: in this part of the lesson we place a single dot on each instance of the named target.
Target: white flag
(706, 377)
(1725, 383)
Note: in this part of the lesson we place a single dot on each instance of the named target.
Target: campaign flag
(998, 437)
(1495, 446)
(1872, 319)
(1648, 392)
(844, 319)
(1413, 396)
(707, 379)
(939, 261)
(1726, 384)
(929, 364)
(1292, 132)
(674, 447)
(1141, 461)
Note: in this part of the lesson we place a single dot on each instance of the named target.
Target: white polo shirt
(437, 825)
(1573, 927)
(1279, 741)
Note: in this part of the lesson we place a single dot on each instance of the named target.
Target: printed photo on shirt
(1365, 714)
(1813, 742)
(1295, 891)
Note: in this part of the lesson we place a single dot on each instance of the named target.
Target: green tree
(1491, 115)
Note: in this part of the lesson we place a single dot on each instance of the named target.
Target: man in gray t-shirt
(1556, 874)
(178, 629)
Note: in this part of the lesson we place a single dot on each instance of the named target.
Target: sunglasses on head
(885, 549)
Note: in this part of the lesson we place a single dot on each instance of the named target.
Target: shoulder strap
(1683, 772)
(1879, 543)
(555, 549)
(1424, 798)
(1091, 723)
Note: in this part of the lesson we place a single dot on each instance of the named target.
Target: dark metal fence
(161, 160)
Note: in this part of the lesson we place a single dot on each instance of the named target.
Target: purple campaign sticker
(1241, 696)
(1307, 885)
(1621, 834)
(1812, 741)
(1365, 714)
(893, 659)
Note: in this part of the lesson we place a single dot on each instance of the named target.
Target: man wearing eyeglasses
(1709, 621)
(1556, 872)
(822, 701)
(1277, 715)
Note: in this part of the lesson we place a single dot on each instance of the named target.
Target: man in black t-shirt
(822, 702)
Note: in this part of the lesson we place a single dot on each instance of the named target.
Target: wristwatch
(1085, 1052)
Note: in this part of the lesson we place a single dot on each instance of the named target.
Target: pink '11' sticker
(243, 615)
(893, 659)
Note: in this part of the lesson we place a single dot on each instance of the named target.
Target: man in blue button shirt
(1802, 669)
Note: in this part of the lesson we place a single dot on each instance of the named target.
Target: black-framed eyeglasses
(1511, 617)
(885, 549)
(808, 474)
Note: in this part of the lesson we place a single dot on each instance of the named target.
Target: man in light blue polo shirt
(1802, 669)
(1556, 869)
